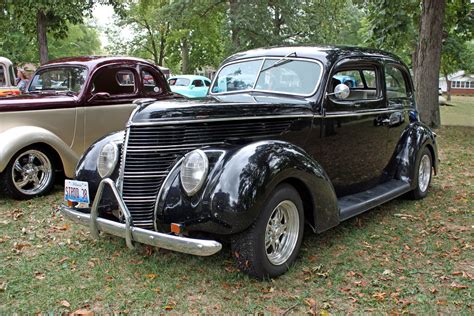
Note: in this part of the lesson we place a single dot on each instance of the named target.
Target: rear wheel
(270, 246)
(30, 173)
(424, 172)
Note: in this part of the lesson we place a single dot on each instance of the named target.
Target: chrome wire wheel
(32, 172)
(424, 173)
(282, 231)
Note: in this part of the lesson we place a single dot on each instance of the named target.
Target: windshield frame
(56, 67)
(264, 58)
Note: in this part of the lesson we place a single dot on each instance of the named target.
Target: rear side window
(208, 83)
(3, 79)
(115, 81)
(395, 83)
(150, 83)
(198, 83)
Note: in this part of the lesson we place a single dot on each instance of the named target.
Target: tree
(48, 17)
(81, 40)
(414, 30)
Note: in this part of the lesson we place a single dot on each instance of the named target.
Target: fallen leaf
(39, 275)
(380, 296)
(151, 276)
(82, 312)
(63, 259)
(65, 303)
(458, 286)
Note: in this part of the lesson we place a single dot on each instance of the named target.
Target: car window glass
(124, 82)
(292, 76)
(3, 79)
(70, 79)
(362, 83)
(236, 77)
(12, 75)
(395, 83)
(207, 83)
(180, 82)
(198, 83)
(125, 78)
(149, 83)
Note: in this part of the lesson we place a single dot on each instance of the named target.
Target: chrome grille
(152, 151)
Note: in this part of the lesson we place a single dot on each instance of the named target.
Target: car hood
(35, 102)
(215, 107)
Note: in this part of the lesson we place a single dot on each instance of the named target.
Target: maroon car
(69, 104)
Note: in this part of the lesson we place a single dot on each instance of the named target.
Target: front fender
(16, 138)
(86, 169)
(239, 182)
(415, 137)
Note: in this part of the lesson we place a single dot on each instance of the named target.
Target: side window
(150, 83)
(2, 77)
(198, 83)
(208, 83)
(114, 81)
(395, 83)
(12, 76)
(362, 83)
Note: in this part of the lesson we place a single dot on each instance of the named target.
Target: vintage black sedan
(286, 137)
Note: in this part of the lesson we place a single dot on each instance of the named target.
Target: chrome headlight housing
(107, 159)
(194, 170)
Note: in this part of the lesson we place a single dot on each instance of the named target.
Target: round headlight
(194, 171)
(107, 159)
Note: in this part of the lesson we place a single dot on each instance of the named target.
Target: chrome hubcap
(424, 173)
(282, 232)
(32, 172)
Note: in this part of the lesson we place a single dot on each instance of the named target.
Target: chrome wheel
(282, 231)
(424, 173)
(32, 172)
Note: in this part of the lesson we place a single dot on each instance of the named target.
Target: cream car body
(69, 105)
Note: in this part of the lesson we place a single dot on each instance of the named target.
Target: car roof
(322, 53)
(93, 62)
(191, 77)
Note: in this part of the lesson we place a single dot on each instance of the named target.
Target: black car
(279, 141)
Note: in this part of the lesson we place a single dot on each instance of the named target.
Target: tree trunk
(153, 42)
(164, 35)
(234, 27)
(42, 39)
(428, 60)
(448, 88)
(184, 56)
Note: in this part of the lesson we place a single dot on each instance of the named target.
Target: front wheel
(29, 174)
(269, 247)
(424, 172)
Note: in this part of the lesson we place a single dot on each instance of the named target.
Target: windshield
(183, 82)
(67, 79)
(291, 75)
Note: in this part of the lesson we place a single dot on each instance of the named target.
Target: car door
(109, 105)
(353, 148)
(400, 101)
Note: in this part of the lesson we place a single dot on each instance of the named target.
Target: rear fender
(415, 137)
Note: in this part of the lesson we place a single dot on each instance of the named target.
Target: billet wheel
(269, 247)
(30, 173)
(423, 174)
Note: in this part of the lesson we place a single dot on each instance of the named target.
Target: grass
(460, 111)
(402, 257)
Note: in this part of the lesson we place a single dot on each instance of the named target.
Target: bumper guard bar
(199, 247)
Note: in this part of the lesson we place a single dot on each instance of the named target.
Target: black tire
(422, 183)
(249, 247)
(29, 174)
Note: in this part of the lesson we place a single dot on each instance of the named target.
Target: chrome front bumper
(199, 247)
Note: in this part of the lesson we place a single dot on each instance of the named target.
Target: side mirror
(191, 87)
(99, 96)
(341, 91)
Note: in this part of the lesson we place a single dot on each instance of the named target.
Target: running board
(355, 204)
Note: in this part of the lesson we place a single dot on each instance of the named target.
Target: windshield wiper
(280, 61)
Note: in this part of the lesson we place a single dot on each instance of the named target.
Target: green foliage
(80, 40)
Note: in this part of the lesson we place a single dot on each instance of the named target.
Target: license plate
(76, 191)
